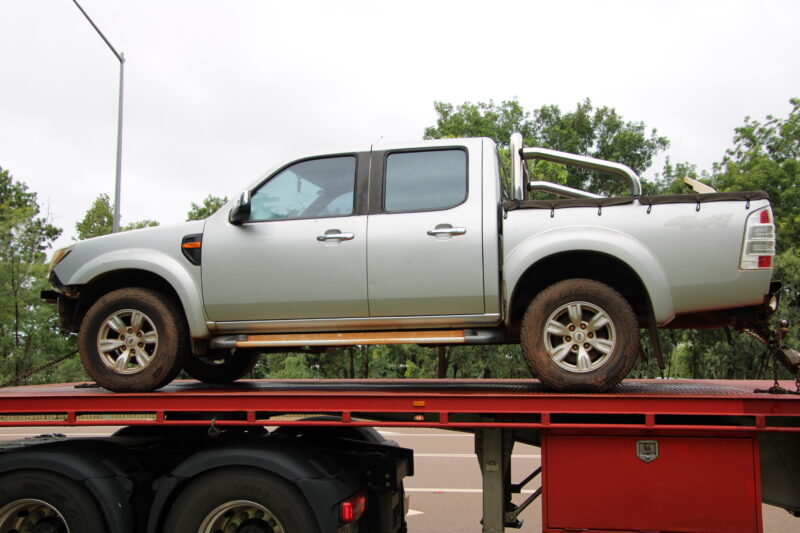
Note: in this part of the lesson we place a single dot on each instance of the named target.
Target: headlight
(60, 254)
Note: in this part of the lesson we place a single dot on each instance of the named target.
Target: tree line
(765, 155)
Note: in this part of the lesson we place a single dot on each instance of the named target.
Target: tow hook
(773, 340)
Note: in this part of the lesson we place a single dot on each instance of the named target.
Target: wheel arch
(156, 271)
(290, 463)
(593, 253)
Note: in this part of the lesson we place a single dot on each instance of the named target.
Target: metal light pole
(121, 58)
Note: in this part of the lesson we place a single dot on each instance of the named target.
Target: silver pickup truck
(425, 243)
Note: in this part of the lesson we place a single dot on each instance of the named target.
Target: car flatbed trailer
(651, 455)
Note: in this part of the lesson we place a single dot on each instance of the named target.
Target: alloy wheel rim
(579, 337)
(31, 515)
(127, 341)
(240, 516)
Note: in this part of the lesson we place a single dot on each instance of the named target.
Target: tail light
(759, 241)
(352, 509)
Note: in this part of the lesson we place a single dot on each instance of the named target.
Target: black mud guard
(321, 481)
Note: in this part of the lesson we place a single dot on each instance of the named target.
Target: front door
(301, 254)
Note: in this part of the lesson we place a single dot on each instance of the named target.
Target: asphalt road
(445, 492)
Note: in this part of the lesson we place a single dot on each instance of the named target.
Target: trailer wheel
(132, 340)
(221, 366)
(42, 502)
(580, 335)
(240, 499)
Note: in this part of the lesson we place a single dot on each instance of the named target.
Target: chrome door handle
(338, 236)
(447, 231)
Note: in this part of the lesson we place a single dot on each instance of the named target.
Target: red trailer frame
(705, 475)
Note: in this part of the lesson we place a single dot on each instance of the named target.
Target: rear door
(424, 244)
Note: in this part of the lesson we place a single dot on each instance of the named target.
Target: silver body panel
(155, 250)
(279, 270)
(277, 276)
(687, 259)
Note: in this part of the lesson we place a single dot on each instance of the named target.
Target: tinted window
(310, 189)
(418, 181)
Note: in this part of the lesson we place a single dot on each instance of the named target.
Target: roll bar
(519, 154)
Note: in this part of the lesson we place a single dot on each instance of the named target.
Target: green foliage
(28, 327)
(480, 120)
(146, 223)
(210, 205)
(99, 220)
(766, 156)
(597, 132)
(787, 269)
(670, 181)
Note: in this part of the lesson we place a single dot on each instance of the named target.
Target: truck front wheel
(36, 500)
(580, 335)
(240, 499)
(133, 340)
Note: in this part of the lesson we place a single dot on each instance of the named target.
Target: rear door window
(425, 180)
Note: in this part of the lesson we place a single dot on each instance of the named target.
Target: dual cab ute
(423, 243)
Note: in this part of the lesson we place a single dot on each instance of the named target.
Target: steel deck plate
(527, 387)
(727, 406)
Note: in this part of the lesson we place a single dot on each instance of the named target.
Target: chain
(775, 384)
(38, 369)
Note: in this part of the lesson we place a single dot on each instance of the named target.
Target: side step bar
(460, 336)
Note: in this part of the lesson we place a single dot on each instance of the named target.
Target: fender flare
(591, 239)
(158, 263)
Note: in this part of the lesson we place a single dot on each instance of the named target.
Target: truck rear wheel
(240, 499)
(580, 335)
(221, 366)
(132, 340)
(43, 502)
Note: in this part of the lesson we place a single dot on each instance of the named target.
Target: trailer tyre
(580, 335)
(240, 499)
(40, 501)
(133, 340)
(221, 366)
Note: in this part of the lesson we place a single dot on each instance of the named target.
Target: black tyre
(133, 340)
(580, 335)
(221, 366)
(43, 502)
(254, 500)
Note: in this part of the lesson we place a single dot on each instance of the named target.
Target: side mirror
(241, 211)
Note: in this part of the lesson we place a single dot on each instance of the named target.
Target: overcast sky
(216, 93)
